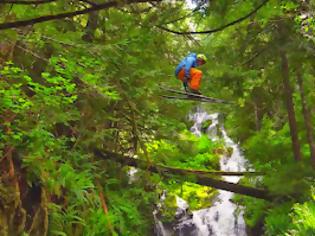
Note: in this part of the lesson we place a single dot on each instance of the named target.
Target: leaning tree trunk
(198, 177)
(290, 105)
(307, 117)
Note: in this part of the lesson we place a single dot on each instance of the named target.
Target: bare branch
(216, 29)
(98, 7)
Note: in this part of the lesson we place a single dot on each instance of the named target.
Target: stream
(223, 218)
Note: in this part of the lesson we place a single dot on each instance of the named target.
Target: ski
(186, 98)
(193, 95)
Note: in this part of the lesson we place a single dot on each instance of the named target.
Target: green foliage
(206, 124)
(303, 219)
(278, 220)
(126, 215)
(168, 209)
(188, 152)
(271, 145)
(72, 85)
(12, 96)
(204, 144)
(198, 197)
(254, 211)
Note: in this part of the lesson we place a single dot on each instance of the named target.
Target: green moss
(189, 124)
(168, 209)
(12, 215)
(197, 196)
(205, 125)
(278, 221)
(229, 151)
(303, 218)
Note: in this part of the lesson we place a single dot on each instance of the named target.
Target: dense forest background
(83, 77)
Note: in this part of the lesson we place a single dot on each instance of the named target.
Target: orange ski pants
(195, 77)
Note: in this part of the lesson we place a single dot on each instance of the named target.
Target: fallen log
(204, 178)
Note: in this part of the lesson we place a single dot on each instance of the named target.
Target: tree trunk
(202, 178)
(91, 27)
(290, 105)
(307, 117)
(257, 117)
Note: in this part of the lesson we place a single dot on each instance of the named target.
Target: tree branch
(185, 16)
(215, 29)
(89, 2)
(33, 2)
(98, 7)
(253, 57)
(104, 206)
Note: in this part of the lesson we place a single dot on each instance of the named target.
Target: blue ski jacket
(187, 62)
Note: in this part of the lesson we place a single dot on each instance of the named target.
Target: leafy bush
(303, 218)
(277, 220)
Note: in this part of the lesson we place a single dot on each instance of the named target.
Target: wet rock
(205, 125)
(187, 228)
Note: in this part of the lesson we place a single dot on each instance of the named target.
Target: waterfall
(223, 218)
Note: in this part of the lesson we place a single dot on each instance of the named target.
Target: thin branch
(253, 57)
(32, 53)
(62, 42)
(216, 29)
(98, 7)
(104, 206)
(139, 10)
(89, 2)
(185, 16)
(33, 2)
(146, 10)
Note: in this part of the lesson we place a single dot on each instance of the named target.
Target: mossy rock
(213, 163)
(189, 123)
(229, 151)
(205, 125)
(219, 151)
(197, 197)
(168, 209)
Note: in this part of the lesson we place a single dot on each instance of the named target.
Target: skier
(190, 76)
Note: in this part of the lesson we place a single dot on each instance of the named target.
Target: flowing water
(223, 218)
